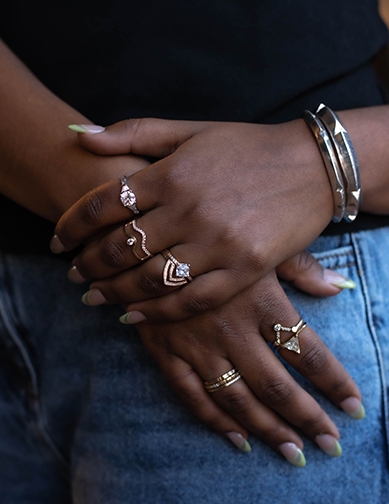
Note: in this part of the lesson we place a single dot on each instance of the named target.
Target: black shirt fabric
(227, 60)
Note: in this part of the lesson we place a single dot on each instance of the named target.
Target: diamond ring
(127, 196)
(174, 272)
(292, 344)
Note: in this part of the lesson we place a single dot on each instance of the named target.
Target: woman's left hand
(231, 200)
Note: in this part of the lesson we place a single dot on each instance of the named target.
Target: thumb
(145, 137)
(307, 274)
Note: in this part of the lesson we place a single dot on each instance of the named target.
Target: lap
(85, 412)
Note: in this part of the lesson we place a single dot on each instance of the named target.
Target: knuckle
(314, 361)
(339, 389)
(92, 208)
(149, 282)
(271, 433)
(235, 403)
(112, 254)
(276, 392)
(314, 425)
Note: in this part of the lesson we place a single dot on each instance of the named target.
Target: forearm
(42, 167)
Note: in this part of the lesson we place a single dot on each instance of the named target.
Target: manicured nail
(353, 407)
(239, 441)
(132, 317)
(88, 129)
(337, 280)
(293, 454)
(329, 445)
(56, 246)
(75, 276)
(93, 298)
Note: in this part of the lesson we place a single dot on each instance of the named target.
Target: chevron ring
(174, 272)
(292, 344)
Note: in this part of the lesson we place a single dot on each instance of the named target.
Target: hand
(231, 200)
(267, 401)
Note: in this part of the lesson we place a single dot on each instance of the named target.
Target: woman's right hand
(267, 401)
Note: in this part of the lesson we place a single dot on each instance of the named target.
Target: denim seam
(17, 340)
(338, 266)
(334, 255)
(373, 332)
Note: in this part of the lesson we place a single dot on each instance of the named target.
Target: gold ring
(132, 241)
(292, 344)
(174, 272)
(225, 380)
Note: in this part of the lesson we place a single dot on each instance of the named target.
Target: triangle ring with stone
(175, 273)
(292, 344)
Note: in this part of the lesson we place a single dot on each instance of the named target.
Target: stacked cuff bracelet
(340, 161)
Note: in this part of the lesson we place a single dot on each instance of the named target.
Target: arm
(42, 167)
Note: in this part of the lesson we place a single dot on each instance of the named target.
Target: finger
(146, 137)
(306, 273)
(188, 386)
(130, 245)
(206, 292)
(99, 209)
(259, 419)
(315, 361)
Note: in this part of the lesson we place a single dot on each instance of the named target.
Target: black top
(228, 60)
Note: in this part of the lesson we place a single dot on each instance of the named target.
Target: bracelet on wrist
(339, 159)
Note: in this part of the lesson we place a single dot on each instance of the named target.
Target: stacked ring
(174, 272)
(225, 380)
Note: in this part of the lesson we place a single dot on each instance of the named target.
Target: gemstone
(131, 241)
(127, 198)
(292, 345)
(277, 327)
(182, 270)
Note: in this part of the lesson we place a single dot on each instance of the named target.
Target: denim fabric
(87, 417)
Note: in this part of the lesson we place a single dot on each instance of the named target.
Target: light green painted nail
(124, 319)
(347, 284)
(239, 441)
(84, 298)
(329, 445)
(336, 451)
(89, 129)
(361, 414)
(353, 407)
(293, 454)
(337, 280)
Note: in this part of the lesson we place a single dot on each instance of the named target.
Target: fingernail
(56, 246)
(132, 317)
(93, 298)
(293, 454)
(239, 441)
(337, 280)
(89, 129)
(353, 407)
(329, 445)
(75, 276)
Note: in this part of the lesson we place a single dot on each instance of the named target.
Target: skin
(39, 154)
(231, 238)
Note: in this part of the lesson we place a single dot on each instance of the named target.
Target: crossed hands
(233, 201)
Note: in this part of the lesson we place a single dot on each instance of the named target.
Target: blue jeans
(86, 416)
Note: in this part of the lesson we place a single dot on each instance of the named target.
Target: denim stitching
(334, 255)
(338, 266)
(372, 329)
(13, 333)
